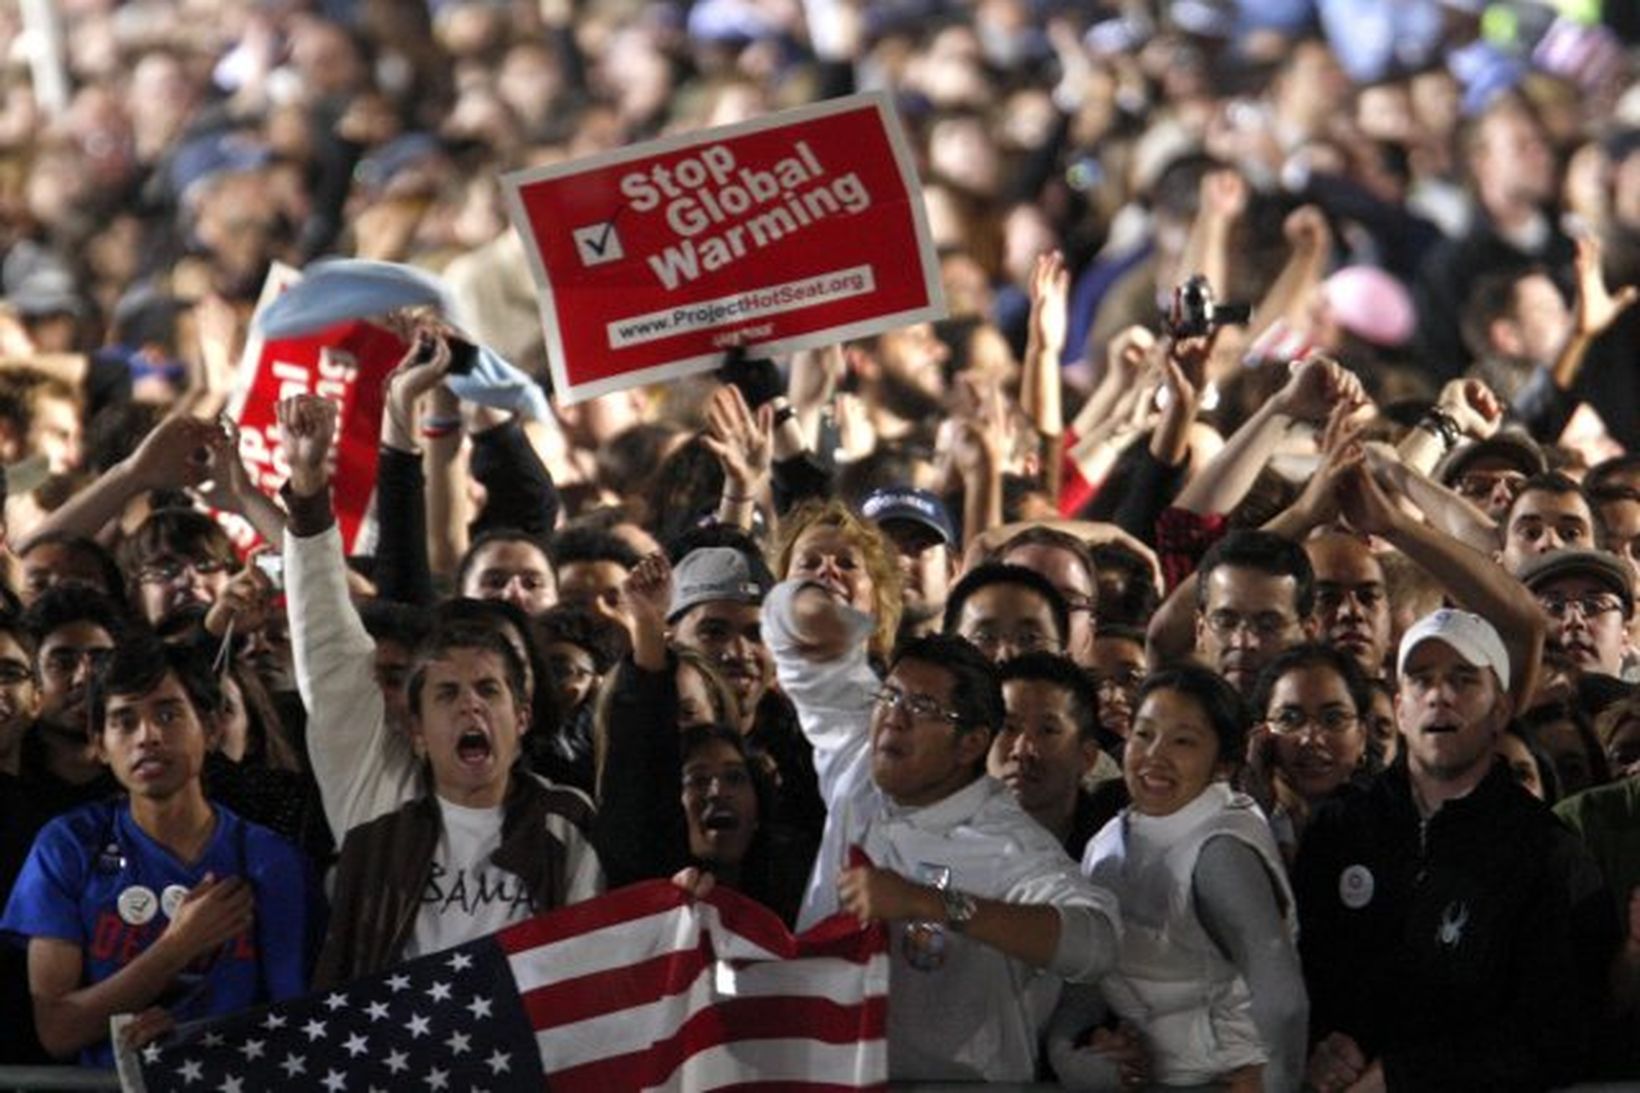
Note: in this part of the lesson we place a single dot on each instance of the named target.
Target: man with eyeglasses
(988, 913)
(1253, 600)
(177, 562)
(1588, 596)
(1489, 473)
(1007, 611)
(1068, 565)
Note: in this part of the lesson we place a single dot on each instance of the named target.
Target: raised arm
(1040, 386)
(742, 441)
(1474, 580)
(363, 767)
(175, 455)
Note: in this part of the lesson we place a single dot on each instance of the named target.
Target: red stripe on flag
(587, 996)
(623, 905)
(729, 1021)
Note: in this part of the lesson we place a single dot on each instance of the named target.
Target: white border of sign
(567, 394)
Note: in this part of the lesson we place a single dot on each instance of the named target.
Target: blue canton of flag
(451, 1022)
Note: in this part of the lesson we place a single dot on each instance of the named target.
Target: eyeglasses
(1024, 640)
(568, 670)
(171, 570)
(730, 779)
(920, 707)
(1291, 721)
(1590, 605)
(1224, 624)
(63, 661)
(1478, 485)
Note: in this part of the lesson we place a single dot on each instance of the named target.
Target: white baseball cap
(1469, 635)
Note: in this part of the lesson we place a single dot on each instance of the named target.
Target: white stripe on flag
(860, 1064)
(831, 978)
(624, 1031)
(676, 930)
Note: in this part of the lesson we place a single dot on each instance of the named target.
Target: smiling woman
(1207, 972)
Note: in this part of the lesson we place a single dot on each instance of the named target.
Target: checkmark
(598, 244)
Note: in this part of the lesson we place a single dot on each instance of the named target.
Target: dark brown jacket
(385, 864)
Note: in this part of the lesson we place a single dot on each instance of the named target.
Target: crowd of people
(1222, 696)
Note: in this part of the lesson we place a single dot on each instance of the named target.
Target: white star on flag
(377, 1011)
(211, 1039)
(150, 1054)
(231, 1084)
(439, 992)
(251, 1049)
(438, 1079)
(356, 1045)
(397, 1061)
(273, 1021)
(336, 1002)
(458, 1042)
(417, 1026)
(398, 983)
(499, 1062)
(315, 1029)
(293, 1065)
(460, 962)
(335, 1081)
(190, 1071)
(479, 1007)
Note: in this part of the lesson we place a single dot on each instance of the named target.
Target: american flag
(644, 988)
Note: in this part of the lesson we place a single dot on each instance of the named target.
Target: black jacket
(1468, 952)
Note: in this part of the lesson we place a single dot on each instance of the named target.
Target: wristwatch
(959, 908)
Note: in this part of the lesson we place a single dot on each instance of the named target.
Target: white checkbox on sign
(598, 244)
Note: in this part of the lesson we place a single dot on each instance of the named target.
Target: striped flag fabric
(643, 988)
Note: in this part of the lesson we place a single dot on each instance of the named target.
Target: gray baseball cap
(714, 573)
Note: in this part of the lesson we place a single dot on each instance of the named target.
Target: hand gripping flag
(644, 988)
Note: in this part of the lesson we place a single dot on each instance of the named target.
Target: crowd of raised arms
(1223, 698)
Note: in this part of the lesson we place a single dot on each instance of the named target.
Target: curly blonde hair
(882, 565)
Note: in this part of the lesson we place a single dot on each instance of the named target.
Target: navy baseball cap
(907, 503)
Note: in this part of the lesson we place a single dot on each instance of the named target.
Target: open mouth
(148, 766)
(473, 746)
(719, 819)
(1441, 728)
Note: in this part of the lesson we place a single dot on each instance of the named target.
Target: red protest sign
(345, 363)
(799, 229)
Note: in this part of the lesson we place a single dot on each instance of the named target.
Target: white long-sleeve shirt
(363, 767)
(978, 1014)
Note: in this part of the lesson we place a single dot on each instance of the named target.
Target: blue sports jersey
(96, 879)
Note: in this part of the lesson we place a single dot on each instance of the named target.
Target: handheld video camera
(1196, 313)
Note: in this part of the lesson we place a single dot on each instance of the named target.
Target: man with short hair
(1549, 513)
(1049, 744)
(1411, 893)
(50, 560)
(1351, 600)
(74, 631)
(1588, 596)
(1253, 600)
(161, 904)
(918, 524)
(488, 845)
(1006, 611)
(1068, 565)
(989, 913)
(590, 565)
(503, 564)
